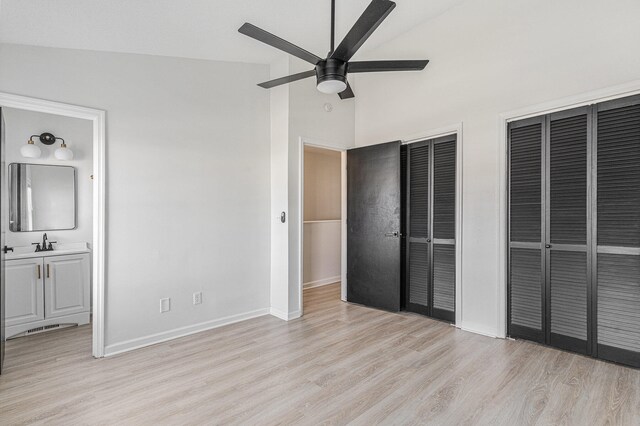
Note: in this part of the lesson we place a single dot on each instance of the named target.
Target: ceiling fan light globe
(331, 87)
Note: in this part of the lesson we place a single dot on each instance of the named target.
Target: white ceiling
(203, 29)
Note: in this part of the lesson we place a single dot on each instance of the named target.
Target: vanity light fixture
(31, 150)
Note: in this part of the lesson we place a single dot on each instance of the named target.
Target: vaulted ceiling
(203, 29)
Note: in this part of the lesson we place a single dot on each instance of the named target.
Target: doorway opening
(322, 216)
(53, 228)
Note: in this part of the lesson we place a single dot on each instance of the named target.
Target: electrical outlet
(165, 305)
(197, 298)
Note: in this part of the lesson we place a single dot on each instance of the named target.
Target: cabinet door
(66, 285)
(24, 291)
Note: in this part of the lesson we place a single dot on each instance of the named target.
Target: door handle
(547, 245)
(392, 234)
(39, 274)
(48, 270)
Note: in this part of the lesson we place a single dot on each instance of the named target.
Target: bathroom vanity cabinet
(47, 290)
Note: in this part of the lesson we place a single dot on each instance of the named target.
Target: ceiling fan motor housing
(331, 69)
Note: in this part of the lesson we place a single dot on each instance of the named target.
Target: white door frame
(588, 98)
(302, 142)
(97, 117)
(454, 129)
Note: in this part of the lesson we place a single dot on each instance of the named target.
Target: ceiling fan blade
(288, 79)
(275, 41)
(347, 93)
(370, 19)
(380, 66)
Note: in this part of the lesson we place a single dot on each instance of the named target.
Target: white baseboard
(286, 316)
(152, 339)
(324, 281)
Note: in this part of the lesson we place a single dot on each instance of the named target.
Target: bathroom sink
(25, 252)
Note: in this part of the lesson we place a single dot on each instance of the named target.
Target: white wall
(322, 213)
(488, 58)
(78, 135)
(279, 110)
(188, 171)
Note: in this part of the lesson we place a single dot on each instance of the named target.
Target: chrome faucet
(44, 241)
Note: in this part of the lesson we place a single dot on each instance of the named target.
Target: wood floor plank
(338, 364)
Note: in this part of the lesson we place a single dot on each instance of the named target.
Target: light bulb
(63, 153)
(331, 87)
(30, 150)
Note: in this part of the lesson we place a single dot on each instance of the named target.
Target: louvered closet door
(567, 233)
(418, 242)
(444, 229)
(617, 257)
(430, 227)
(526, 290)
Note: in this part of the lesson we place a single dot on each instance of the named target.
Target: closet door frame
(429, 310)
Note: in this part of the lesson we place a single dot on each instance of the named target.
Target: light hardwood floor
(338, 364)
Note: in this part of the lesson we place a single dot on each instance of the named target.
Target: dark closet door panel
(568, 283)
(619, 306)
(525, 183)
(418, 228)
(444, 190)
(419, 274)
(618, 142)
(444, 277)
(568, 180)
(526, 293)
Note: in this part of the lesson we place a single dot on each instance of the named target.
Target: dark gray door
(373, 226)
(567, 229)
(526, 234)
(574, 236)
(3, 221)
(616, 264)
(549, 232)
(430, 227)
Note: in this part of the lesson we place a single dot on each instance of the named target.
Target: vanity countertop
(26, 252)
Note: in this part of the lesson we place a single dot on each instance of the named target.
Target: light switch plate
(197, 298)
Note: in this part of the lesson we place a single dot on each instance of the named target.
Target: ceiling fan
(331, 72)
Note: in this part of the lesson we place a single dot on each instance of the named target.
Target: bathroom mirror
(42, 198)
